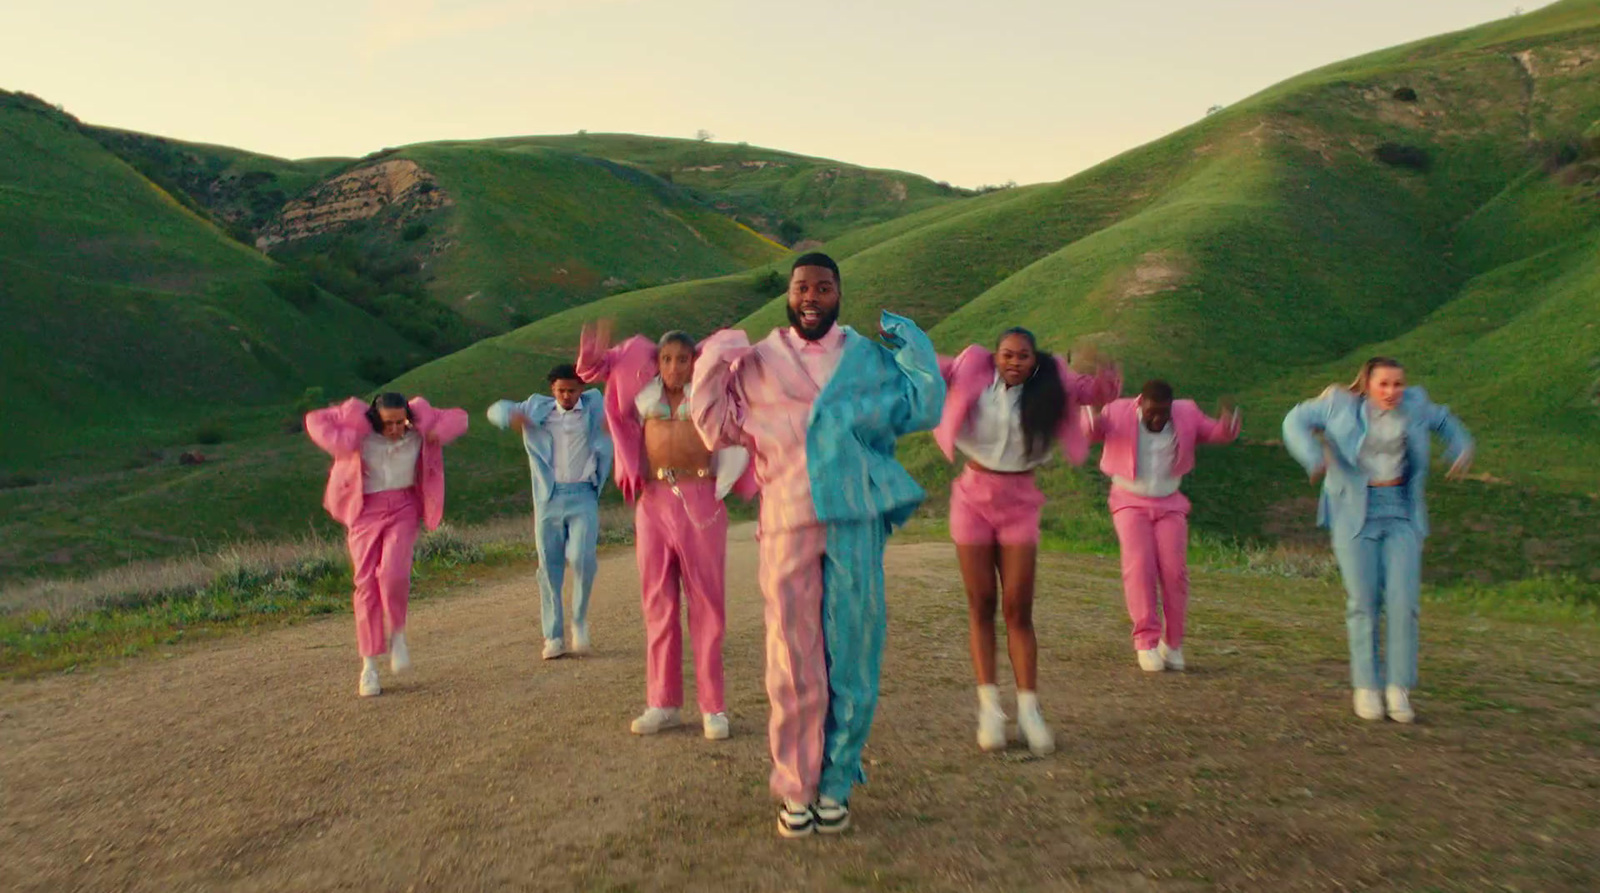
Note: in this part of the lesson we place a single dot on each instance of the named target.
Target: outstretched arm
(922, 385)
(505, 414)
(1223, 429)
(339, 429)
(717, 401)
(439, 426)
(1459, 446)
(1301, 428)
(595, 353)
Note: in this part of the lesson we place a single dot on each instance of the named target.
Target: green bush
(210, 433)
(294, 287)
(414, 231)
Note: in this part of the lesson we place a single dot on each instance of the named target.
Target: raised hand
(519, 421)
(601, 331)
(1230, 415)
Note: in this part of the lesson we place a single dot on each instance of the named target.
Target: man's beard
(829, 317)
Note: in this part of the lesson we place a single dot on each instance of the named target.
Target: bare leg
(1017, 565)
(978, 573)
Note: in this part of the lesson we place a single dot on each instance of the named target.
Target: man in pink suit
(1149, 447)
(680, 527)
(820, 407)
(388, 475)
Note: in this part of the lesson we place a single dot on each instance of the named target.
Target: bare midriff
(1394, 483)
(674, 444)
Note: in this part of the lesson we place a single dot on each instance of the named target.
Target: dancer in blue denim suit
(1373, 448)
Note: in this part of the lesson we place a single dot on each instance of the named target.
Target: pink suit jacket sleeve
(626, 369)
(438, 427)
(339, 429)
(717, 404)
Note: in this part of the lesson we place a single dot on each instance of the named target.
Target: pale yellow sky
(972, 93)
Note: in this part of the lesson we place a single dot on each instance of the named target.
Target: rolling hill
(1439, 200)
(126, 311)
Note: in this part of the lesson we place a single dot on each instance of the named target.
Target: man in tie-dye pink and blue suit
(819, 407)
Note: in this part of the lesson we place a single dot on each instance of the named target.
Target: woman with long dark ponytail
(1007, 411)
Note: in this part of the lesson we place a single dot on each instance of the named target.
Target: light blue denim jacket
(1341, 418)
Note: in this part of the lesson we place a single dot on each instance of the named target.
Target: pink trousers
(682, 543)
(380, 543)
(797, 665)
(1154, 534)
(988, 508)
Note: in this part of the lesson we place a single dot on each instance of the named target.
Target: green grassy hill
(507, 231)
(126, 312)
(1439, 201)
(785, 196)
(1436, 200)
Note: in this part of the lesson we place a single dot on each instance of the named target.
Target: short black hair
(1156, 391)
(562, 372)
(677, 336)
(818, 259)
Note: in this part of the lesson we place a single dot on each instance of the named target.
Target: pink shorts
(989, 508)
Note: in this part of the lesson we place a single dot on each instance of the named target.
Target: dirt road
(250, 764)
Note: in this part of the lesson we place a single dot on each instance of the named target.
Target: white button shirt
(1158, 450)
(389, 464)
(992, 435)
(574, 461)
(1383, 452)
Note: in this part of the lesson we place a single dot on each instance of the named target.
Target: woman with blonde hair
(1369, 443)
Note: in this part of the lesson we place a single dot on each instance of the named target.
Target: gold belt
(673, 474)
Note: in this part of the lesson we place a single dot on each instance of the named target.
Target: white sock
(989, 697)
(398, 640)
(1027, 702)
(369, 663)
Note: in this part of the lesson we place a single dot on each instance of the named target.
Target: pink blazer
(340, 430)
(626, 369)
(1117, 426)
(969, 374)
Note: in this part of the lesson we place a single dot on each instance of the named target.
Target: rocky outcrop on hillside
(357, 194)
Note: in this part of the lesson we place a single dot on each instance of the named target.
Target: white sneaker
(580, 640)
(554, 648)
(1172, 657)
(399, 655)
(991, 729)
(654, 719)
(1150, 660)
(830, 816)
(1040, 739)
(1369, 703)
(369, 683)
(715, 725)
(1398, 702)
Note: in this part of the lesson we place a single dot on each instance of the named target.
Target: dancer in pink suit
(1150, 443)
(388, 475)
(680, 527)
(1004, 411)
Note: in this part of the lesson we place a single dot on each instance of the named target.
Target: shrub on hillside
(770, 283)
(1399, 155)
(210, 433)
(1405, 94)
(16, 480)
(294, 287)
(414, 231)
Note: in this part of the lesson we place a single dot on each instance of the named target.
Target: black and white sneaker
(832, 816)
(795, 820)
